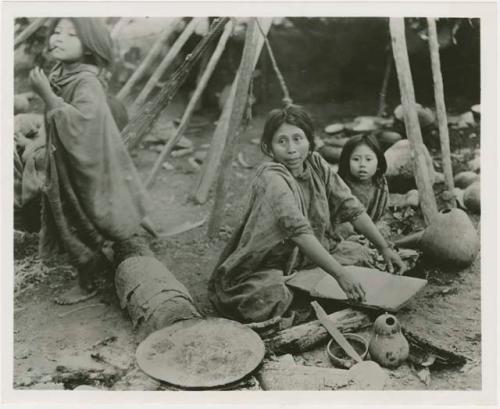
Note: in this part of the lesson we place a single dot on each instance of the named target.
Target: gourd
(450, 239)
(388, 346)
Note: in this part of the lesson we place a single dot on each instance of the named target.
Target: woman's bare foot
(75, 295)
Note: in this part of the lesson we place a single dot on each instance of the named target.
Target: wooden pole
(167, 60)
(245, 71)
(148, 61)
(192, 103)
(29, 31)
(142, 122)
(440, 106)
(385, 85)
(421, 170)
(211, 163)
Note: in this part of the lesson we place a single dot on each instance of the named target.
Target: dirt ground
(93, 343)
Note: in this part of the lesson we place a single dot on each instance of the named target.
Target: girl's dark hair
(291, 114)
(94, 36)
(345, 156)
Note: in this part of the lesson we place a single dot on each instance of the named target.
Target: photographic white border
(489, 179)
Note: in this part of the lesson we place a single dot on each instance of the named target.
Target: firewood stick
(192, 103)
(306, 336)
(165, 63)
(421, 170)
(29, 31)
(245, 71)
(148, 61)
(212, 161)
(440, 106)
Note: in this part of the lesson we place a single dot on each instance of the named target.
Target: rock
(179, 153)
(21, 103)
(335, 141)
(464, 179)
(364, 124)
(399, 173)
(200, 156)
(167, 166)
(459, 197)
(26, 124)
(334, 128)
(475, 164)
(193, 165)
(438, 177)
(412, 198)
(388, 138)
(426, 117)
(476, 112)
(330, 153)
(465, 120)
(318, 142)
(472, 197)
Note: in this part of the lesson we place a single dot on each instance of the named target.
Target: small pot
(339, 357)
(388, 346)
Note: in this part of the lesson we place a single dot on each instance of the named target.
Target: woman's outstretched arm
(312, 248)
(364, 225)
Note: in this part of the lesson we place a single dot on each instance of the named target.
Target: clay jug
(450, 239)
(388, 346)
(472, 197)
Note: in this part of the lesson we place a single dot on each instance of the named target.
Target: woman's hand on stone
(392, 259)
(351, 287)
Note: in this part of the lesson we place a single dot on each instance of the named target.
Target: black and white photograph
(249, 203)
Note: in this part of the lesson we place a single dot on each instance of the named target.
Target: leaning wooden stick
(165, 63)
(142, 122)
(148, 61)
(385, 85)
(421, 170)
(212, 161)
(188, 113)
(245, 72)
(29, 31)
(440, 106)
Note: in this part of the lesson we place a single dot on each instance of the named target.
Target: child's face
(290, 147)
(64, 42)
(363, 163)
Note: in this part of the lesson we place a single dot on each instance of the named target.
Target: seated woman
(294, 200)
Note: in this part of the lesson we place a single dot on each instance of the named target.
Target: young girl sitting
(92, 191)
(294, 201)
(362, 166)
